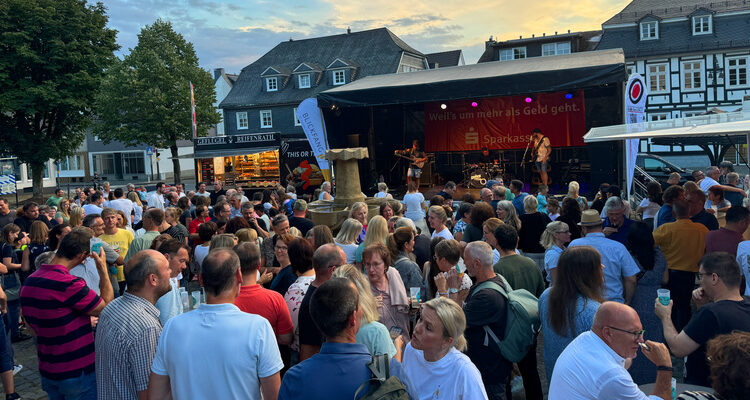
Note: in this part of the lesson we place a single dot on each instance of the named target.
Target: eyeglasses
(700, 275)
(282, 248)
(636, 334)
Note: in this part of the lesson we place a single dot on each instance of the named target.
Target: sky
(231, 34)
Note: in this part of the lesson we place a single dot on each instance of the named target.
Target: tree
(53, 54)
(145, 98)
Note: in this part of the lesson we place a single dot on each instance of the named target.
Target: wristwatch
(452, 290)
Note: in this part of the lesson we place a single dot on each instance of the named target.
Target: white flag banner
(635, 112)
(311, 118)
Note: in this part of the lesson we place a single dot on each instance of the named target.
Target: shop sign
(299, 165)
(249, 140)
(505, 122)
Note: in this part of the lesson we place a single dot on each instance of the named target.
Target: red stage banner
(505, 122)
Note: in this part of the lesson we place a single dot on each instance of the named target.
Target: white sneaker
(17, 368)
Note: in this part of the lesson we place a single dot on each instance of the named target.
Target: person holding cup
(451, 282)
(387, 288)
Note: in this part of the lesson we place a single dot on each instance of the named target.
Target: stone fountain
(348, 189)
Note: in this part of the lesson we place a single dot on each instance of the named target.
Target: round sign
(635, 90)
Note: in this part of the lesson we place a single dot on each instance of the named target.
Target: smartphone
(95, 244)
(395, 332)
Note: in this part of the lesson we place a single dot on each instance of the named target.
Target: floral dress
(293, 299)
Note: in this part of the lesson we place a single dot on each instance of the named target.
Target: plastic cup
(663, 295)
(414, 295)
(95, 244)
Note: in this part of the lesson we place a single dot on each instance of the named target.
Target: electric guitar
(419, 162)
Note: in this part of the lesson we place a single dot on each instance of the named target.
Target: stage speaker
(606, 157)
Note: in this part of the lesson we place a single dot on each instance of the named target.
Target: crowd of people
(295, 310)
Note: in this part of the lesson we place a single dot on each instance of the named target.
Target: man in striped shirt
(58, 307)
(129, 329)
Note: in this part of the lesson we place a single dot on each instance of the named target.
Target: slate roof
(586, 41)
(451, 58)
(232, 78)
(372, 52)
(638, 9)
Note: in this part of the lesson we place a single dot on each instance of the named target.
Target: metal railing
(641, 179)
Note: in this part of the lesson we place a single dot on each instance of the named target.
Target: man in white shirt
(94, 205)
(710, 179)
(217, 351)
(593, 365)
(156, 199)
(201, 190)
(176, 253)
(119, 202)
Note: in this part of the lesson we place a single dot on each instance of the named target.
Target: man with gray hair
(733, 179)
(129, 329)
(710, 179)
(217, 351)
(617, 223)
(298, 219)
(485, 195)
(485, 306)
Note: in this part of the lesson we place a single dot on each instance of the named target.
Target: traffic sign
(149, 150)
(7, 184)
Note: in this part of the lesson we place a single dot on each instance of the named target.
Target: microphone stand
(523, 161)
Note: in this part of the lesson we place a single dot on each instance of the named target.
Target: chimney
(532, 35)
(568, 30)
(544, 34)
(217, 73)
(555, 32)
(348, 29)
(520, 36)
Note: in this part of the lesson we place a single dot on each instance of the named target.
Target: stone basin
(325, 212)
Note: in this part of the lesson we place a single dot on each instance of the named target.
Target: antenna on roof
(348, 29)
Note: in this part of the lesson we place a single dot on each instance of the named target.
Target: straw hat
(589, 218)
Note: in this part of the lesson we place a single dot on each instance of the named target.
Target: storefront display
(251, 160)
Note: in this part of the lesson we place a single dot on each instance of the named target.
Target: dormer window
(272, 84)
(649, 30)
(702, 24)
(304, 81)
(339, 77)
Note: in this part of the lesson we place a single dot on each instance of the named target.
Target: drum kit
(476, 176)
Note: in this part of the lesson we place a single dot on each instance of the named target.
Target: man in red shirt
(727, 238)
(255, 299)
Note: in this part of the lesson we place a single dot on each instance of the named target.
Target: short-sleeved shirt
(126, 339)
(518, 203)
(170, 304)
(120, 242)
(376, 337)
(622, 231)
(303, 224)
(664, 216)
(486, 307)
(472, 234)
(617, 261)
(707, 219)
(683, 243)
(309, 334)
(255, 299)
(743, 259)
(521, 273)
(142, 242)
(413, 203)
(283, 280)
(723, 239)
(707, 183)
(452, 377)
(711, 320)
(55, 304)
(532, 227)
(550, 260)
(217, 352)
(293, 298)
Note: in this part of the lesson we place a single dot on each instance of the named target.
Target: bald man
(129, 329)
(593, 364)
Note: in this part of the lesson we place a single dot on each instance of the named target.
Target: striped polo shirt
(55, 304)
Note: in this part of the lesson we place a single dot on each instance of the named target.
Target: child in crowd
(553, 208)
(541, 198)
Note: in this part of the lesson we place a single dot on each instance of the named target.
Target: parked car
(660, 168)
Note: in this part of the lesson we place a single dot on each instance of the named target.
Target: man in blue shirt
(617, 224)
(515, 187)
(670, 195)
(620, 269)
(341, 366)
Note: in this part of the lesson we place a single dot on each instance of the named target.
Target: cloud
(234, 33)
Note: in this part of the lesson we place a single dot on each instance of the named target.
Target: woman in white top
(414, 203)
(437, 219)
(347, 237)
(383, 191)
(651, 204)
(325, 191)
(137, 207)
(433, 360)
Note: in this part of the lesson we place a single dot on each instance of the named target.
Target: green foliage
(53, 54)
(146, 97)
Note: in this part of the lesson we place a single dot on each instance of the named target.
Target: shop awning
(725, 124)
(492, 79)
(225, 152)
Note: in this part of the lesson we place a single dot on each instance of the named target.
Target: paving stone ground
(28, 382)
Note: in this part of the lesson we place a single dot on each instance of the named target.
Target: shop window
(103, 164)
(242, 120)
(266, 119)
(133, 163)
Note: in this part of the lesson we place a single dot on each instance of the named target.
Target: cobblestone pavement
(28, 382)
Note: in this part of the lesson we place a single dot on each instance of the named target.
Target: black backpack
(381, 385)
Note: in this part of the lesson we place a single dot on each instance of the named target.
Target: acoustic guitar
(419, 162)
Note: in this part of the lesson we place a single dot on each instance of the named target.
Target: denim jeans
(6, 349)
(80, 388)
(14, 311)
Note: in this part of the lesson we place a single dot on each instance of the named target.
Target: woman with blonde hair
(223, 240)
(437, 218)
(371, 333)
(507, 213)
(488, 232)
(175, 229)
(359, 212)
(433, 360)
(382, 191)
(76, 217)
(137, 207)
(319, 235)
(573, 189)
(247, 235)
(63, 211)
(554, 238)
(377, 232)
(347, 238)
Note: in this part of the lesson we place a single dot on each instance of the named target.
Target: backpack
(521, 324)
(381, 385)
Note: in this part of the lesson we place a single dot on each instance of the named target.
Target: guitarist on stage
(541, 153)
(417, 158)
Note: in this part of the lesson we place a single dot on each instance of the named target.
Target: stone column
(345, 161)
